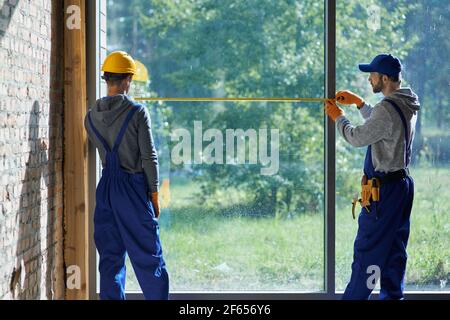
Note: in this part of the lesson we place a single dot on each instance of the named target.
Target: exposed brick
(31, 94)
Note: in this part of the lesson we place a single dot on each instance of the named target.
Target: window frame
(96, 52)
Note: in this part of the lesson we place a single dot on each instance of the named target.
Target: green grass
(213, 247)
(219, 253)
(429, 246)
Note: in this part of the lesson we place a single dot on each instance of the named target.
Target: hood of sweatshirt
(108, 109)
(407, 98)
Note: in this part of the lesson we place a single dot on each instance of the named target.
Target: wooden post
(75, 151)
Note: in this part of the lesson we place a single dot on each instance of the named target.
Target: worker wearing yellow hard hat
(127, 206)
(119, 62)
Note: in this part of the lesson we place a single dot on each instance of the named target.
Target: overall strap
(124, 128)
(99, 136)
(407, 140)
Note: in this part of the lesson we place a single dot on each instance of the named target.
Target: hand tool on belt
(370, 191)
(370, 188)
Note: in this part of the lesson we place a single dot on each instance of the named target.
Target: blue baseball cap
(383, 63)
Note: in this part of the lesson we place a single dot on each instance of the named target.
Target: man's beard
(378, 87)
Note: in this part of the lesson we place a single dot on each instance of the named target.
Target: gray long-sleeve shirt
(383, 129)
(137, 152)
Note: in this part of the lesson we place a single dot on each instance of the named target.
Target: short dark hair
(394, 78)
(113, 79)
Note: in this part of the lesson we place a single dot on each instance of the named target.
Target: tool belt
(370, 188)
(394, 176)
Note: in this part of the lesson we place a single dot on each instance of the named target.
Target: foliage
(265, 48)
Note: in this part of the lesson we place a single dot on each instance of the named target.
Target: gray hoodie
(383, 129)
(137, 152)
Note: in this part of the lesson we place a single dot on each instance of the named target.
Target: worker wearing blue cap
(387, 187)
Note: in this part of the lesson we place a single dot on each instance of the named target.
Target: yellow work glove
(155, 201)
(348, 97)
(332, 110)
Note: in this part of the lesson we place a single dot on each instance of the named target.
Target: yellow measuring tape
(235, 99)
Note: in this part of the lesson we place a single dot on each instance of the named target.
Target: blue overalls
(383, 233)
(124, 222)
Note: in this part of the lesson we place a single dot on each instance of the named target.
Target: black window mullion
(330, 148)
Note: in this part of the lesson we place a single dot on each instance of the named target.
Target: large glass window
(417, 32)
(242, 182)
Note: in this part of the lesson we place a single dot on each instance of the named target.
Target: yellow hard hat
(141, 72)
(119, 62)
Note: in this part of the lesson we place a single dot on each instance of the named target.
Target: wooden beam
(75, 151)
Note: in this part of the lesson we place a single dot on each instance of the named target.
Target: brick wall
(31, 155)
